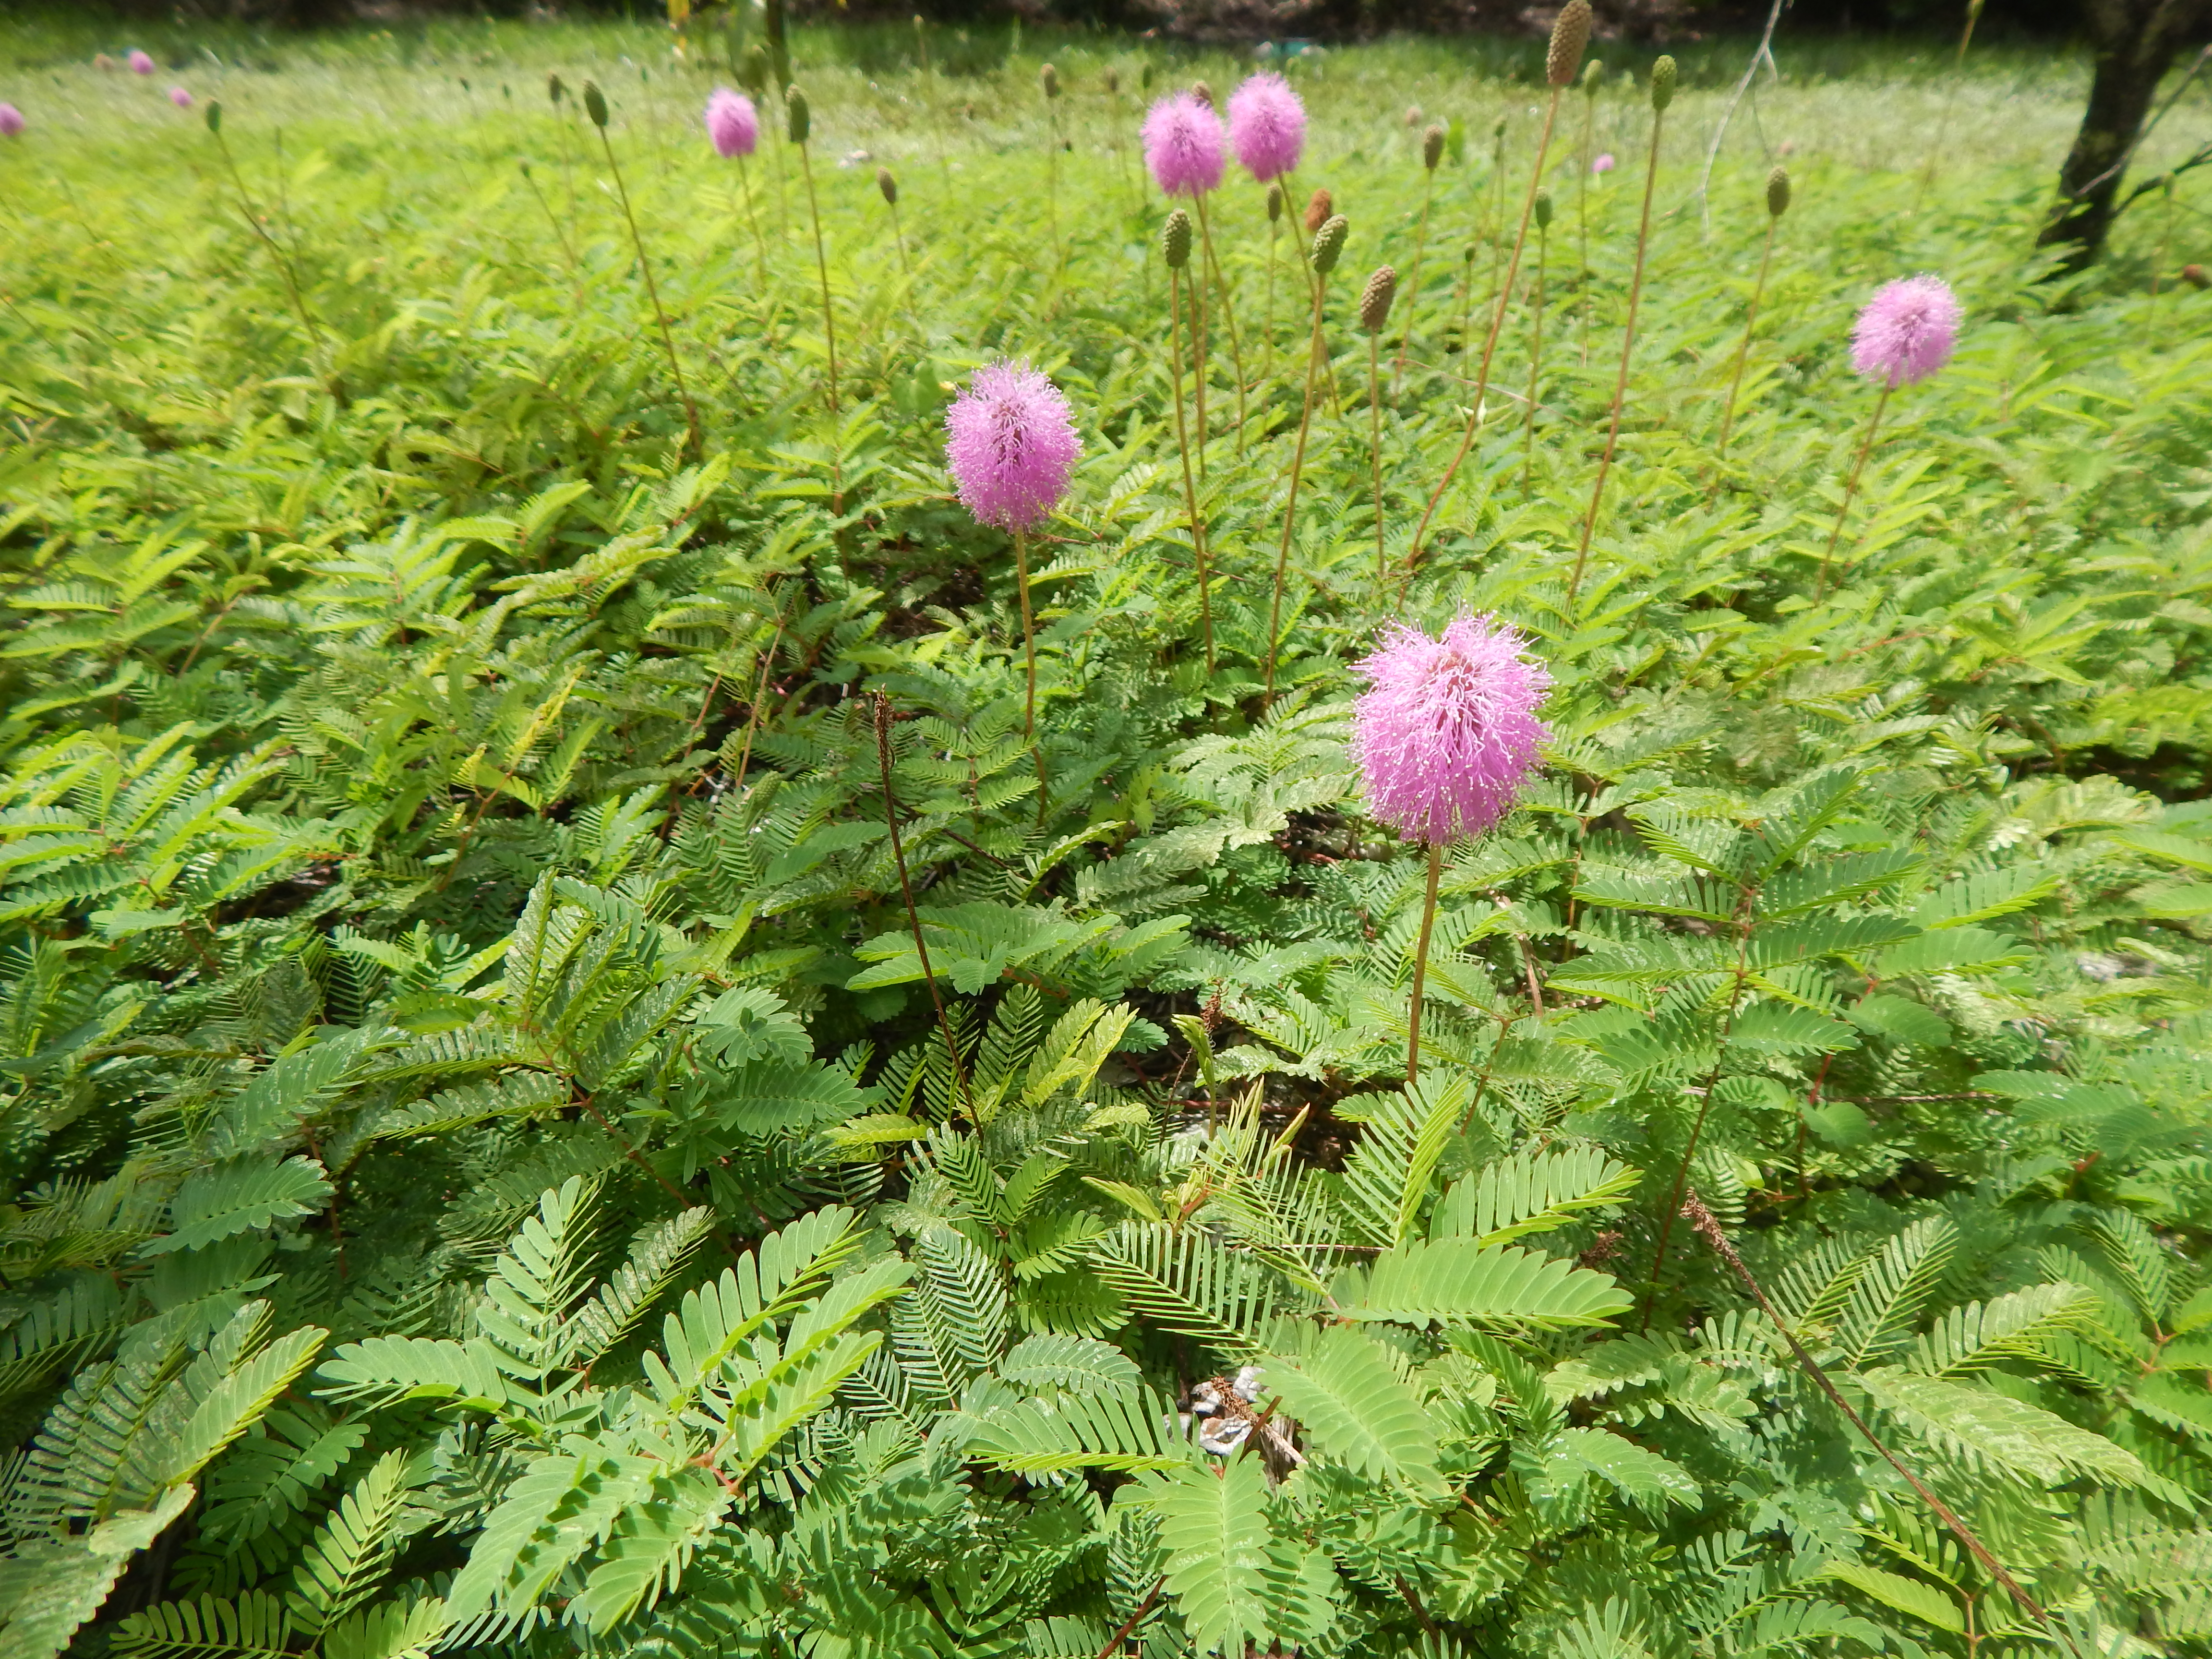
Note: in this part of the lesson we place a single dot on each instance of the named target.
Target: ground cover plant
(1311, 1010)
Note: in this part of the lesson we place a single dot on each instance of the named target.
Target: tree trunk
(2135, 42)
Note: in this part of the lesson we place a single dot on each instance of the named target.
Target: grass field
(467, 849)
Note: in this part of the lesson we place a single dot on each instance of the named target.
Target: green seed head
(1328, 243)
(595, 104)
(1175, 240)
(1570, 33)
(1048, 78)
(1145, 77)
(555, 89)
(215, 115)
(1497, 128)
(1543, 209)
(753, 72)
(1662, 83)
(1274, 200)
(1432, 146)
(1593, 77)
(1778, 192)
(797, 119)
(888, 184)
(1113, 79)
(1374, 298)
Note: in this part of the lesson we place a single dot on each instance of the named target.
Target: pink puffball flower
(180, 98)
(11, 120)
(1907, 331)
(1446, 734)
(140, 62)
(732, 122)
(1183, 146)
(1603, 164)
(1010, 439)
(1266, 126)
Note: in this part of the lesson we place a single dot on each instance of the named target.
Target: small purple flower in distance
(1183, 146)
(1603, 164)
(1447, 732)
(1010, 439)
(732, 124)
(140, 62)
(1907, 331)
(1266, 126)
(180, 98)
(11, 120)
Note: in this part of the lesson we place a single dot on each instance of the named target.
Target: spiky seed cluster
(1266, 126)
(1011, 441)
(888, 184)
(1778, 191)
(1432, 146)
(1447, 733)
(1274, 201)
(1663, 76)
(1570, 33)
(1328, 243)
(732, 122)
(1184, 146)
(797, 118)
(1175, 240)
(1048, 78)
(1374, 298)
(595, 105)
(1318, 208)
(1543, 209)
(1907, 331)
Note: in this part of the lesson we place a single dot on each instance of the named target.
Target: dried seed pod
(1175, 240)
(797, 118)
(1274, 200)
(1662, 83)
(1374, 298)
(1543, 209)
(1778, 191)
(888, 184)
(1432, 146)
(595, 104)
(1328, 243)
(1318, 208)
(1570, 33)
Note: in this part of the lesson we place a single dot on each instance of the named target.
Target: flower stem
(1029, 652)
(906, 891)
(752, 218)
(1851, 487)
(653, 292)
(821, 266)
(1490, 343)
(1421, 964)
(1627, 351)
(1182, 444)
(1290, 506)
(1413, 283)
(1228, 315)
(1743, 349)
(1582, 212)
(1374, 448)
(1535, 366)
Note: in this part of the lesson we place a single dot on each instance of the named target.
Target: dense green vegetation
(480, 1167)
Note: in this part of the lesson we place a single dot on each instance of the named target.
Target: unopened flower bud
(215, 115)
(1543, 209)
(1662, 83)
(1145, 77)
(798, 120)
(753, 72)
(888, 184)
(1175, 240)
(1274, 200)
(1432, 146)
(1328, 243)
(1048, 78)
(595, 104)
(1570, 33)
(1778, 191)
(1318, 208)
(1593, 77)
(1203, 93)
(555, 89)
(1374, 298)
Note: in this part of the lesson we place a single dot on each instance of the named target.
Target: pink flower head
(140, 62)
(1603, 164)
(180, 98)
(1266, 126)
(11, 120)
(1447, 732)
(1907, 331)
(732, 122)
(1010, 441)
(1183, 146)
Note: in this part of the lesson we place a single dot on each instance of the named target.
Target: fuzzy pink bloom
(1266, 126)
(11, 120)
(1603, 164)
(1010, 439)
(732, 124)
(1447, 732)
(1907, 331)
(140, 62)
(180, 98)
(1183, 146)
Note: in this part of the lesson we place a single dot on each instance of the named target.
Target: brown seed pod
(1374, 298)
(1432, 146)
(1317, 211)
(888, 184)
(1570, 33)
